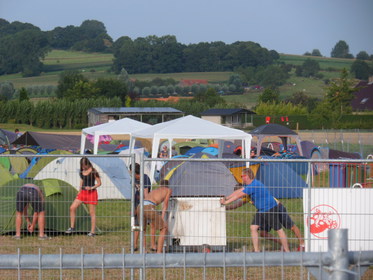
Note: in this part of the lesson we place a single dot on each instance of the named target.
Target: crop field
(325, 62)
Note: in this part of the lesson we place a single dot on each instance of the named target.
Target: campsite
(204, 166)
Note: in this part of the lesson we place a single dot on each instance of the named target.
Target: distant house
(229, 117)
(363, 100)
(184, 83)
(150, 115)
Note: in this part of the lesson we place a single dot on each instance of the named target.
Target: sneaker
(91, 234)
(45, 237)
(16, 237)
(70, 230)
(300, 248)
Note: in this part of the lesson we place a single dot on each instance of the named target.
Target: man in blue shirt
(268, 209)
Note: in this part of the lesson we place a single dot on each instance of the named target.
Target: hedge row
(305, 122)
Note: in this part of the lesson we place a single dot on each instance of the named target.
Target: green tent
(58, 197)
(6, 176)
(17, 164)
(43, 161)
(5, 162)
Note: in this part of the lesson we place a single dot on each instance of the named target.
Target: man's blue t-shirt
(260, 196)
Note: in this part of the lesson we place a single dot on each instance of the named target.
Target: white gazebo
(190, 127)
(125, 126)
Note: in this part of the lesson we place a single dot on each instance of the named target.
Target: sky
(287, 26)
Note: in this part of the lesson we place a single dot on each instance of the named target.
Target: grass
(325, 62)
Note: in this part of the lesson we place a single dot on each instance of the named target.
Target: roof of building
(225, 112)
(135, 110)
(364, 97)
(191, 82)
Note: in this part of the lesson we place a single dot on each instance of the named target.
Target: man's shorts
(284, 217)
(270, 218)
(29, 195)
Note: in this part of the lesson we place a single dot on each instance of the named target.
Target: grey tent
(51, 141)
(272, 129)
(7, 137)
(201, 179)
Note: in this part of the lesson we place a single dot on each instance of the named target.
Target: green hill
(97, 65)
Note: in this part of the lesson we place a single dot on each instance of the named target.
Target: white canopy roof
(190, 127)
(119, 127)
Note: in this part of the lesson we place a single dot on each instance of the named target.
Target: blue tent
(281, 180)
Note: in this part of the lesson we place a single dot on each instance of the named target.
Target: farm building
(229, 117)
(190, 82)
(363, 100)
(150, 115)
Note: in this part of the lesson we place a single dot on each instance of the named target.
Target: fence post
(338, 247)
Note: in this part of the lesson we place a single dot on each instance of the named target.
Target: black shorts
(29, 195)
(284, 217)
(270, 219)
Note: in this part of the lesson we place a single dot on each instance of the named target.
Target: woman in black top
(89, 182)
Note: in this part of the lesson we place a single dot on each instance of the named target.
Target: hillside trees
(341, 50)
(309, 68)
(73, 85)
(22, 52)
(362, 55)
(6, 91)
(90, 36)
(268, 76)
(67, 81)
(209, 97)
(154, 54)
(302, 99)
(361, 69)
(336, 103)
(269, 95)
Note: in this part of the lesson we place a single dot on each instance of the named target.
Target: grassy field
(325, 62)
(96, 65)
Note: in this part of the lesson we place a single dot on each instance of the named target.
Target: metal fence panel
(199, 227)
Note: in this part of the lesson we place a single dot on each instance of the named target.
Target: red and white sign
(349, 208)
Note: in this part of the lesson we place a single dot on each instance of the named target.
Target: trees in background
(6, 91)
(341, 50)
(269, 95)
(361, 69)
(309, 68)
(315, 52)
(336, 103)
(90, 36)
(362, 55)
(268, 76)
(73, 85)
(154, 54)
(22, 46)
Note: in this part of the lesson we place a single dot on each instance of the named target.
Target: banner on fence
(349, 208)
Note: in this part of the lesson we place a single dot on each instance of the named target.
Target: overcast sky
(287, 26)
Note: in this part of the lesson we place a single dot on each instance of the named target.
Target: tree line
(23, 46)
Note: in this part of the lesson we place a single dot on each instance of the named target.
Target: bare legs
(92, 212)
(76, 203)
(18, 223)
(255, 238)
(39, 217)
